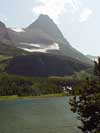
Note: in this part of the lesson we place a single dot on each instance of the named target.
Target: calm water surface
(48, 115)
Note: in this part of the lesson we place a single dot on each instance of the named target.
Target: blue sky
(79, 20)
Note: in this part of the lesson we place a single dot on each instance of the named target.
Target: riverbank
(15, 97)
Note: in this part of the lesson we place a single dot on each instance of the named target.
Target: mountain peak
(44, 16)
(46, 24)
(42, 22)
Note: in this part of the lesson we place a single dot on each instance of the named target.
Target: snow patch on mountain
(41, 47)
(18, 30)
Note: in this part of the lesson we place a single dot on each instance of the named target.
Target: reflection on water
(51, 115)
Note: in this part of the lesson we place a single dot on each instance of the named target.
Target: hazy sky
(79, 20)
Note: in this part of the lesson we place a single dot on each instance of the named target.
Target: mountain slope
(7, 47)
(43, 64)
(9, 50)
(49, 27)
(41, 36)
(4, 36)
(58, 57)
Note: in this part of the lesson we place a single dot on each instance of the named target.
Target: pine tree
(97, 69)
(87, 105)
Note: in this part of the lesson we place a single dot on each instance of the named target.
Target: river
(42, 115)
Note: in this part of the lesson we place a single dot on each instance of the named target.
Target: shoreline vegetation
(12, 85)
(15, 97)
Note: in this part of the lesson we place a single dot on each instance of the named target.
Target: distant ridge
(91, 57)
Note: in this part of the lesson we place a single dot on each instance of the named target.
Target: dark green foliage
(44, 65)
(97, 69)
(25, 86)
(87, 104)
(17, 85)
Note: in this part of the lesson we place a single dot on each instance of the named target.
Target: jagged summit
(45, 16)
(41, 20)
(44, 19)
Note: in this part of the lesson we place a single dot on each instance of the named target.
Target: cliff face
(4, 36)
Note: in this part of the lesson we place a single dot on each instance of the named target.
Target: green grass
(8, 97)
(4, 57)
(15, 97)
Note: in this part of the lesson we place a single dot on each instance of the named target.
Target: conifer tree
(87, 104)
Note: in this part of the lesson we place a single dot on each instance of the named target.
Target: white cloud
(3, 17)
(44, 49)
(73, 5)
(85, 14)
(56, 8)
(53, 8)
(18, 30)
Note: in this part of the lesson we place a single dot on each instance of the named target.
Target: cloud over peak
(85, 14)
(57, 8)
(3, 17)
(53, 8)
